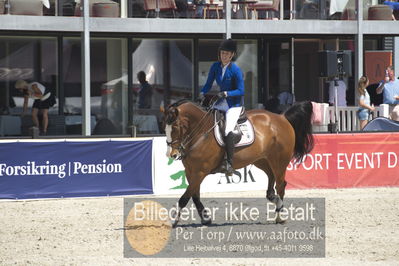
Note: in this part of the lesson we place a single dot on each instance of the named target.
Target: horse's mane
(178, 103)
(172, 113)
(182, 101)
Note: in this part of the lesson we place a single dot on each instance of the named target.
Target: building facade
(91, 62)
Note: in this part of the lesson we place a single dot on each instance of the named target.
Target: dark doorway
(306, 71)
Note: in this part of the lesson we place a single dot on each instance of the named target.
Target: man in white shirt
(390, 89)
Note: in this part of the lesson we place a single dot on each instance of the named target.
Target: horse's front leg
(193, 187)
(182, 203)
(194, 177)
(203, 213)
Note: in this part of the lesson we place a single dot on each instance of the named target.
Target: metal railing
(346, 119)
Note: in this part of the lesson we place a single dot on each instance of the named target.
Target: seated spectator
(310, 10)
(286, 99)
(199, 8)
(395, 7)
(182, 7)
(272, 105)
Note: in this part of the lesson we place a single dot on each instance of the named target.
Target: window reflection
(30, 59)
(108, 67)
(168, 68)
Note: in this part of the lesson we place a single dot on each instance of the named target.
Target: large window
(168, 68)
(108, 75)
(27, 58)
(30, 59)
(278, 66)
(247, 60)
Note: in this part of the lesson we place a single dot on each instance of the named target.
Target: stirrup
(223, 167)
(228, 169)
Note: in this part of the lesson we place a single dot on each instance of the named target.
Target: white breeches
(221, 105)
(232, 116)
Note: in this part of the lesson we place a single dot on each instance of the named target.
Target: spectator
(364, 102)
(390, 89)
(182, 7)
(272, 105)
(199, 8)
(395, 7)
(41, 104)
(286, 99)
(145, 93)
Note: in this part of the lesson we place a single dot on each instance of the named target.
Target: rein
(207, 132)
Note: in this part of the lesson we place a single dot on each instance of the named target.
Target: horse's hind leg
(280, 186)
(270, 194)
(203, 213)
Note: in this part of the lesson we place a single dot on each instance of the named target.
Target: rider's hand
(222, 94)
(201, 97)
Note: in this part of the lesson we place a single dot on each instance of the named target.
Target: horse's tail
(300, 117)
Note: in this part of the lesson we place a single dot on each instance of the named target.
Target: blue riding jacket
(232, 82)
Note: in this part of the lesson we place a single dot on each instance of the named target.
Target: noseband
(180, 148)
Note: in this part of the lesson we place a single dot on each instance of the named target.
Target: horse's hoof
(279, 220)
(206, 221)
(174, 224)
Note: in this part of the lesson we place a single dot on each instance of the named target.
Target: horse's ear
(171, 115)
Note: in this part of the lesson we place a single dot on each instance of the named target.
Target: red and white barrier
(349, 160)
(337, 161)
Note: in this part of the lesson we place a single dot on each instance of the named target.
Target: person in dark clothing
(145, 93)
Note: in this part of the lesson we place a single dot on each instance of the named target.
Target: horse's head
(175, 129)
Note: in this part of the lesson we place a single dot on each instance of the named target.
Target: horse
(279, 138)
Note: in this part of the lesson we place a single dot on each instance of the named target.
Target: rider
(229, 78)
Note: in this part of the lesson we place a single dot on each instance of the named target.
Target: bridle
(182, 146)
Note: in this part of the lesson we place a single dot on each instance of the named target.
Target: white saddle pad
(247, 138)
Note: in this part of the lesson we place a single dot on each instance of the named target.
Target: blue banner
(75, 169)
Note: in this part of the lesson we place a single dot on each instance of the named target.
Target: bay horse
(278, 139)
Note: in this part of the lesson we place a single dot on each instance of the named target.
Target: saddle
(244, 134)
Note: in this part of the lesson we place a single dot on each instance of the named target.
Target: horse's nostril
(174, 156)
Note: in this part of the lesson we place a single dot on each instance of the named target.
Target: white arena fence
(347, 119)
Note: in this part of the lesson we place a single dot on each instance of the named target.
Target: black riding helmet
(228, 45)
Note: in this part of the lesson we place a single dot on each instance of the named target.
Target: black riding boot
(229, 142)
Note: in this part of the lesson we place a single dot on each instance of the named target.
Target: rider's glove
(222, 94)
